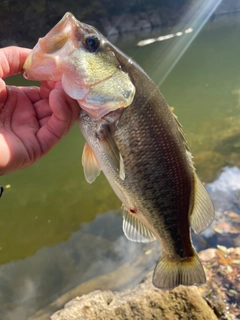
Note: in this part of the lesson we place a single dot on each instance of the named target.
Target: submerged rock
(222, 290)
(217, 299)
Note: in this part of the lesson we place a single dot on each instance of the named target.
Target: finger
(43, 121)
(23, 113)
(48, 86)
(12, 60)
(62, 105)
(64, 108)
(58, 84)
(51, 84)
(65, 112)
(45, 90)
(33, 93)
(43, 109)
(11, 96)
(75, 109)
(71, 113)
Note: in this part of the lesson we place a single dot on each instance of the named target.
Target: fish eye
(92, 43)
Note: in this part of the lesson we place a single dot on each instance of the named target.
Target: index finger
(12, 60)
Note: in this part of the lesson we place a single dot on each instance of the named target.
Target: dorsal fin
(180, 130)
(90, 164)
(134, 229)
(203, 211)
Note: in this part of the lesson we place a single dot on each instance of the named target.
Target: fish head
(84, 60)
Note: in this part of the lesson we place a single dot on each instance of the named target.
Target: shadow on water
(95, 251)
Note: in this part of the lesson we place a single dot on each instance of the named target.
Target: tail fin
(169, 274)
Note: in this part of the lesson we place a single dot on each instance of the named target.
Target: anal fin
(90, 164)
(134, 229)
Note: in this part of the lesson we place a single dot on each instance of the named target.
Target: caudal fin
(169, 274)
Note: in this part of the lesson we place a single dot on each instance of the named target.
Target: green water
(47, 203)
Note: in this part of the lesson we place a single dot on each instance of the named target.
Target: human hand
(32, 119)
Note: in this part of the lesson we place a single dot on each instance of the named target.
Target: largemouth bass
(135, 139)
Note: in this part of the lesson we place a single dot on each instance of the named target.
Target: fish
(135, 139)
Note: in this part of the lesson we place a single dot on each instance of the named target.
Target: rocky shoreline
(130, 23)
(135, 23)
(25, 32)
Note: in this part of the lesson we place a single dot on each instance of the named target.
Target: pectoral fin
(134, 229)
(90, 164)
(111, 151)
(203, 210)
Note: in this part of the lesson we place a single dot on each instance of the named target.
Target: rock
(145, 302)
(222, 290)
(143, 15)
(154, 19)
(143, 24)
(126, 23)
(107, 27)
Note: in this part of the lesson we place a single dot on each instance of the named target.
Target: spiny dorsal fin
(184, 140)
(203, 211)
(90, 164)
(134, 229)
(180, 130)
(189, 158)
